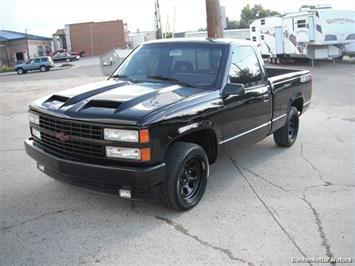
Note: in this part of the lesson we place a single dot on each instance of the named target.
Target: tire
(339, 59)
(48, 68)
(67, 60)
(20, 71)
(287, 135)
(186, 176)
(42, 68)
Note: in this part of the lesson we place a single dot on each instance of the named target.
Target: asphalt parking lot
(264, 205)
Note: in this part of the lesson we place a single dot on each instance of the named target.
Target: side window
(245, 68)
(301, 23)
(37, 61)
(44, 59)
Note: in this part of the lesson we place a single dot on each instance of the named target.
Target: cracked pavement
(264, 205)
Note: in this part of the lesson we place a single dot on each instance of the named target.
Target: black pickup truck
(162, 118)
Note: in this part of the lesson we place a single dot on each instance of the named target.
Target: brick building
(94, 38)
(17, 47)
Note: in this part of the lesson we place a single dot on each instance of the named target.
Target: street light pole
(214, 23)
(28, 50)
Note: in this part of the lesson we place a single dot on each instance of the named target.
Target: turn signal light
(144, 136)
(145, 154)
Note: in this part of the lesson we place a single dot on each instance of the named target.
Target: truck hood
(112, 101)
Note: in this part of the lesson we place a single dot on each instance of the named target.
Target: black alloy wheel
(190, 179)
(186, 176)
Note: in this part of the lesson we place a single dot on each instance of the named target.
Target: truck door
(311, 28)
(246, 117)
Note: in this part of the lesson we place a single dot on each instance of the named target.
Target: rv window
(330, 37)
(301, 23)
(254, 39)
(253, 29)
(245, 67)
(262, 37)
(351, 37)
(262, 22)
(319, 28)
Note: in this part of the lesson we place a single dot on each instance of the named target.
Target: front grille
(72, 147)
(71, 128)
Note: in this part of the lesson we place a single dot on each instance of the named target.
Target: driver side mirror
(233, 89)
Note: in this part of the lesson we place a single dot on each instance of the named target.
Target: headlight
(123, 153)
(121, 135)
(33, 118)
(36, 133)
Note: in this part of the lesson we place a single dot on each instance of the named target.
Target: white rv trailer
(319, 33)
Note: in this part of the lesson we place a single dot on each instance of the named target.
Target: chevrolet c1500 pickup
(163, 116)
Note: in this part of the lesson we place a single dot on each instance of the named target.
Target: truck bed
(284, 75)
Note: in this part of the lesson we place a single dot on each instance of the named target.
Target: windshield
(193, 64)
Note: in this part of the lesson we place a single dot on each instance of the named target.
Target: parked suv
(43, 63)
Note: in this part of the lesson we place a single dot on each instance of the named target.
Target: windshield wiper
(124, 77)
(160, 77)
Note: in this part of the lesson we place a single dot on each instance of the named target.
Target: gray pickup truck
(162, 118)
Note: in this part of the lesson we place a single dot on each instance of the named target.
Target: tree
(249, 14)
(232, 24)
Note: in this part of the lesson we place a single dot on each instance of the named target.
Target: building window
(262, 37)
(253, 29)
(40, 50)
(254, 39)
(262, 22)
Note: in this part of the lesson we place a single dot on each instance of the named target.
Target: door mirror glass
(233, 89)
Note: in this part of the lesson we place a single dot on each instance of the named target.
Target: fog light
(123, 153)
(124, 193)
(36, 133)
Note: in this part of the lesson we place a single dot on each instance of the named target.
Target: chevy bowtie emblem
(62, 136)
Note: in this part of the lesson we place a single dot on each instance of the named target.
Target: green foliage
(168, 35)
(249, 14)
(232, 24)
(6, 69)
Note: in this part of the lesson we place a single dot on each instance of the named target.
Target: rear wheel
(42, 68)
(20, 71)
(186, 180)
(287, 135)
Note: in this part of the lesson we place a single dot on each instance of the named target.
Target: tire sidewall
(20, 71)
(42, 68)
(293, 113)
(182, 203)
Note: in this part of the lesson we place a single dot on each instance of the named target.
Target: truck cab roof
(222, 41)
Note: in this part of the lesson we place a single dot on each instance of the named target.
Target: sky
(44, 17)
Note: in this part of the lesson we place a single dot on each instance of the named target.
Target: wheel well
(206, 138)
(298, 103)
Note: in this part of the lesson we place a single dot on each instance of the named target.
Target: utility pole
(214, 23)
(28, 50)
(158, 31)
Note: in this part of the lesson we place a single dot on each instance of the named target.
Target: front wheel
(20, 71)
(42, 68)
(186, 176)
(287, 135)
